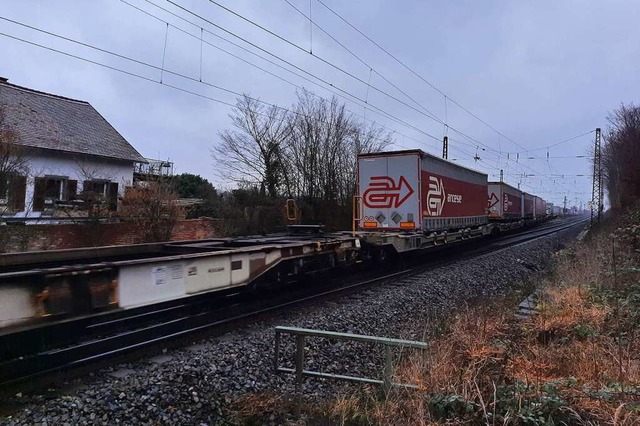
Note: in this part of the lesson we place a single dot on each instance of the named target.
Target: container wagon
(67, 283)
(527, 206)
(411, 199)
(540, 207)
(505, 202)
(413, 190)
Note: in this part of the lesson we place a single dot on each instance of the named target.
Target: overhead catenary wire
(563, 141)
(366, 64)
(289, 42)
(333, 86)
(303, 50)
(374, 108)
(139, 62)
(133, 74)
(445, 123)
(433, 86)
(139, 76)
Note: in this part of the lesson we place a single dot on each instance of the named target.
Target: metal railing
(154, 168)
(300, 372)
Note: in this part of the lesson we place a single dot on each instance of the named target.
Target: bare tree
(323, 147)
(252, 153)
(154, 208)
(14, 168)
(621, 156)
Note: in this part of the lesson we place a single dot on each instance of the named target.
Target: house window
(52, 190)
(99, 188)
(99, 191)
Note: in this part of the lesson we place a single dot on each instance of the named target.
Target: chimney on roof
(3, 79)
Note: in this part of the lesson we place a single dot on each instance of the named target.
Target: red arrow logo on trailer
(493, 200)
(384, 193)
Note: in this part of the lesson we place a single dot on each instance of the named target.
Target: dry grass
(578, 362)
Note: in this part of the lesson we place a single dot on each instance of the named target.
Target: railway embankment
(230, 379)
(575, 361)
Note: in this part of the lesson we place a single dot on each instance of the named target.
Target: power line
(361, 60)
(281, 59)
(366, 64)
(375, 108)
(414, 72)
(419, 76)
(110, 67)
(564, 141)
(133, 74)
(128, 58)
(380, 47)
(148, 65)
(302, 49)
(331, 64)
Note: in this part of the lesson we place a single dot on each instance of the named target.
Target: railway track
(80, 343)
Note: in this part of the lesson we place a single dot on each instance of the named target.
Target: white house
(70, 151)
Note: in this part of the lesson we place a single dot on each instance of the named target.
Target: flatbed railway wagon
(411, 200)
(67, 283)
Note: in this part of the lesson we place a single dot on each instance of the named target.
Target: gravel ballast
(194, 385)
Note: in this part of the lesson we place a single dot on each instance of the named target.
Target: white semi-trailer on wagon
(410, 200)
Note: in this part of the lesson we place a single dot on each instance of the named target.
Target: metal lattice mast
(597, 192)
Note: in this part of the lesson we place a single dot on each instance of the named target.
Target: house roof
(47, 121)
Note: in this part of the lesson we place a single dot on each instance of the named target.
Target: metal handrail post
(299, 370)
(388, 370)
(277, 352)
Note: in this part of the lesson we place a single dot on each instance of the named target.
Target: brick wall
(16, 238)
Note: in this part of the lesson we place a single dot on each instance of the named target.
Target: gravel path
(192, 385)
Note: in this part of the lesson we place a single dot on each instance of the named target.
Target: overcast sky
(539, 72)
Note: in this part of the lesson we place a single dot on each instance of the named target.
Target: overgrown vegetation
(621, 157)
(154, 207)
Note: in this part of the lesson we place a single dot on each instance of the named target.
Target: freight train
(408, 201)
